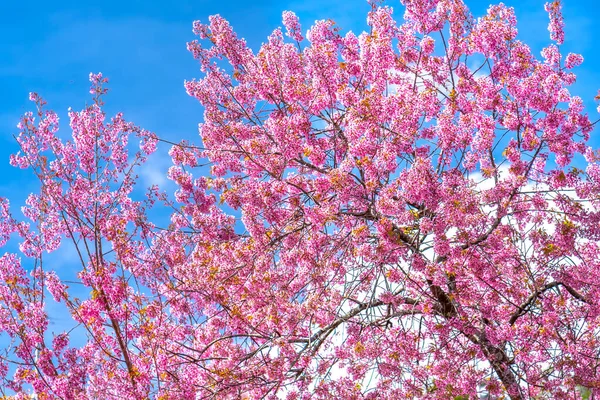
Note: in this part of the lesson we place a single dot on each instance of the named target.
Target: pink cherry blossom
(402, 213)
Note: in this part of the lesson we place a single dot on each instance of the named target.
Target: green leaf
(586, 393)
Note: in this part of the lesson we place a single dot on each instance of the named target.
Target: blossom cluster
(383, 218)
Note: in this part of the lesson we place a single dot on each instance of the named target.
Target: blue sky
(51, 46)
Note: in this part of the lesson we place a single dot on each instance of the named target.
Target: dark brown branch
(500, 362)
(524, 308)
(352, 313)
(445, 305)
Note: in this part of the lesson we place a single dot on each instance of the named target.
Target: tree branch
(524, 308)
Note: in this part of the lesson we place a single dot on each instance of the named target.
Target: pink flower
(56, 288)
(573, 60)
(556, 25)
(292, 25)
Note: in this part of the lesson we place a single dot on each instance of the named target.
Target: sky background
(50, 47)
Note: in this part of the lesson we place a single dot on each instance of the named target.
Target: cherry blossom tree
(408, 213)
